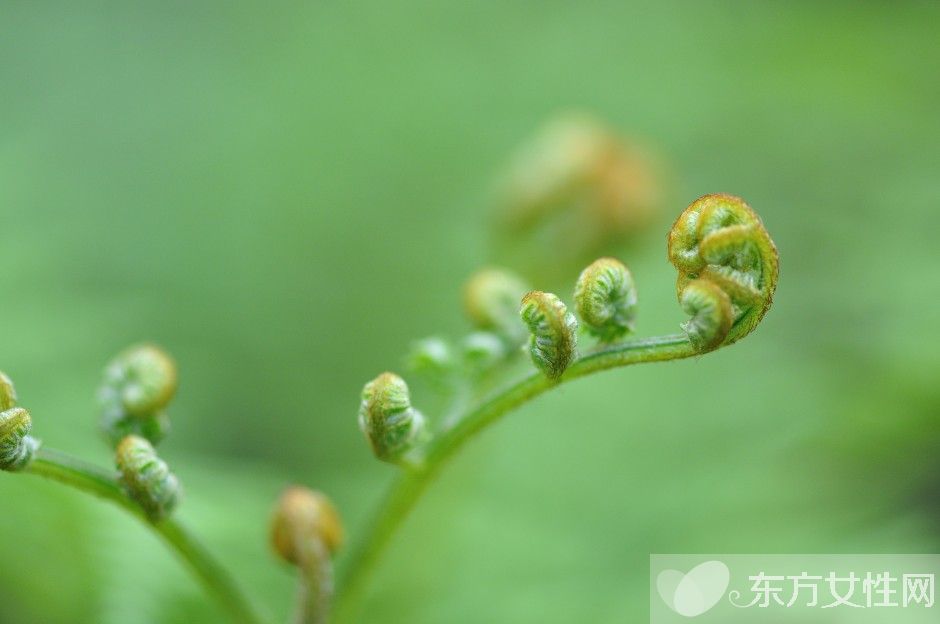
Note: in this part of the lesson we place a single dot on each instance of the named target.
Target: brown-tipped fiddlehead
(306, 531)
(728, 270)
(719, 239)
(576, 190)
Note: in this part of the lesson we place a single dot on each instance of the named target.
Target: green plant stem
(89, 478)
(412, 482)
(316, 583)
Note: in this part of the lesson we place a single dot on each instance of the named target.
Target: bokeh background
(285, 195)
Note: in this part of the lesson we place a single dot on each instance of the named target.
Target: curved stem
(89, 478)
(412, 482)
(316, 583)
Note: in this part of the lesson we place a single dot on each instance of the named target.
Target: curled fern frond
(302, 514)
(17, 446)
(552, 341)
(306, 531)
(137, 387)
(391, 425)
(7, 393)
(711, 314)
(491, 299)
(146, 478)
(605, 299)
(719, 238)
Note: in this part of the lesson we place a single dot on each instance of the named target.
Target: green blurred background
(284, 195)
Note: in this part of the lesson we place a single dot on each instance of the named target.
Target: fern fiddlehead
(17, 446)
(146, 478)
(306, 531)
(391, 425)
(728, 269)
(138, 385)
(553, 341)
(721, 240)
(605, 299)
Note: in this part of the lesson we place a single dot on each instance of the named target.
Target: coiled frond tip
(552, 341)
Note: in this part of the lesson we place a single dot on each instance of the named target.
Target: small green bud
(711, 311)
(147, 478)
(7, 393)
(491, 299)
(433, 359)
(16, 445)
(553, 341)
(137, 386)
(605, 299)
(302, 514)
(483, 349)
(391, 425)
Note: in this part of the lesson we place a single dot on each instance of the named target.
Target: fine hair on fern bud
(605, 299)
(138, 385)
(552, 328)
(7, 392)
(386, 417)
(146, 478)
(719, 238)
(711, 314)
(17, 446)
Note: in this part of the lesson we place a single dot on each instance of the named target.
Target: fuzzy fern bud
(491, 299)
(711, 314)
(552, 341)
(137, 387)
(17, 446)
(7, 393)
(391, 425)
(146, 478)
(605, 299)
(720, 239)
(300, 515)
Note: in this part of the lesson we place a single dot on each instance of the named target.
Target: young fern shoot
(17, 446)
(138, 385)
(728, 270)
(727, 273)
(306, 531)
